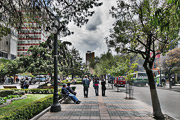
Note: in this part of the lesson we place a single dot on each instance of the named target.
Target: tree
(104, 64)
(148, 28)
(171, 63)
(8, 67)
(44, 12)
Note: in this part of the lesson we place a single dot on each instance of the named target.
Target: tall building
(30, 36)
(31, 33)
(89, 57)
(8, 45)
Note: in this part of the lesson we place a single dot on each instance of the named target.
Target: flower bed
(4, 99)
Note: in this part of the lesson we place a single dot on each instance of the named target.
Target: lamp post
(56, 107)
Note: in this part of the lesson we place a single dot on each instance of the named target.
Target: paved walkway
(111, 107)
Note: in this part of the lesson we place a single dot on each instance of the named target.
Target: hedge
(29, 110)
(27, 91)
(5, 93)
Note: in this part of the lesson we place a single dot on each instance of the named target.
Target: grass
(15, 104)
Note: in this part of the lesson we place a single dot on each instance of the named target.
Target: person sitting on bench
(70, 89)
(73, 97)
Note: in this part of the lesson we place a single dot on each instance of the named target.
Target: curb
(41, 113)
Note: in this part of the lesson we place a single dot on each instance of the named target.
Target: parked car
(41, 79)
(120, 81)
(33, 81)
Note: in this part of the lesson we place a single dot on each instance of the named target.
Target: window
(142, 74)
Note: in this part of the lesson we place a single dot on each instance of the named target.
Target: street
(169, 100)
(18, 85)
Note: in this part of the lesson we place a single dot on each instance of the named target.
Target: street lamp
(56, 107)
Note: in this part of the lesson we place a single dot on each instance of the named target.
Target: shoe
(78, 102)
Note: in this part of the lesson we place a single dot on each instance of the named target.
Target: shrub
(29, 110)
(19, 92)
(40, 91)
(27, 91)
(65, 81)
(5, 93)
(2, 100)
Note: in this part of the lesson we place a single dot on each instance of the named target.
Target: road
(18, 86)
(169, 100)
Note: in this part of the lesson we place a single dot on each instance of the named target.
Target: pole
(160, 82)
(56, 107)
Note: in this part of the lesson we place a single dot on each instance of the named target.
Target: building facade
(89, 57)
(8, 45)
(30, 35)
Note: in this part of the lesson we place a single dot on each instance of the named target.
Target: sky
(90, 37)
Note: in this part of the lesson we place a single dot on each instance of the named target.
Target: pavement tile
(115, 117)
(65, 117)
(94, 117)
(126, 118)
(84, 117)
(111, 107)
(105, 118)
(147, 118)
(74, 117)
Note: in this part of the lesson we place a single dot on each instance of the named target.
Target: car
(33, 81)
(41, 79)
(120, 81)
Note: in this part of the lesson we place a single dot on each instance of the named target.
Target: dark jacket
(70, 90)
(103, 83)
(86, 82)
(65, 91)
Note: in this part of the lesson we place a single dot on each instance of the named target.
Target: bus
(140, 78)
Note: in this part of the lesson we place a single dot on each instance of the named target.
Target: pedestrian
(17, 80)
(96, 86)
(6, 80)
(22, 82)
(103, 86)
(86, 85)
(26, 83)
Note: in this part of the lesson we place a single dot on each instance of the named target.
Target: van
(120, 81)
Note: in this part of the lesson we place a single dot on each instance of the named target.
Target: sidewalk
(111, 107)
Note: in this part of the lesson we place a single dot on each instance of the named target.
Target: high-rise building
(89, 57)
(31, 32)
(30, 36)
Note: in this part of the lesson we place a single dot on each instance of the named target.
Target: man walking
(103, 83)
(86, 85)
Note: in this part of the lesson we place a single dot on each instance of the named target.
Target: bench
(9, 87)
(65, 98)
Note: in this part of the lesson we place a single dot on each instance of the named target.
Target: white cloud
(90, 37)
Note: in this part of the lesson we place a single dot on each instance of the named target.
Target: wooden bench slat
(9, 86)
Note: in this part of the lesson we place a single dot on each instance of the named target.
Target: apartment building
(30, 35)
(8, 45)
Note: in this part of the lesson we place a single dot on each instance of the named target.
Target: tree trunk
(154, 97)
(169, 77)
(72, 76)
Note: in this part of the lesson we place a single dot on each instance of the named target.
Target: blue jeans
(73, 97)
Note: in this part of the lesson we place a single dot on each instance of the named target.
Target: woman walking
(96, 86)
